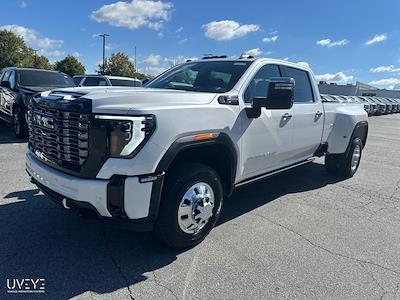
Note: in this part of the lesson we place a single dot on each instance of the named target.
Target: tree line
(15, 53)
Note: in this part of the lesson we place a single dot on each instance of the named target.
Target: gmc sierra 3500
(164, 156)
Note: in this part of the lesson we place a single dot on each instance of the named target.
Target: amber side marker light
(205, 136)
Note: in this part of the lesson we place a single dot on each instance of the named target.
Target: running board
(250, 180)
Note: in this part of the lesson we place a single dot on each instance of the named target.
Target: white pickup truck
(163, 157)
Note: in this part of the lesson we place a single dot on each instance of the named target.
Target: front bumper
(121, 197)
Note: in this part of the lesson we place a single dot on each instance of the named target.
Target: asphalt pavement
(299, 235)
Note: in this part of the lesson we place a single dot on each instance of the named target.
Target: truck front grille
(59, 137)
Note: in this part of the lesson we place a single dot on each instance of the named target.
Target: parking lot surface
(299, 235)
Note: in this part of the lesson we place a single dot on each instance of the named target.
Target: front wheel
(345, 165)
(190, 205)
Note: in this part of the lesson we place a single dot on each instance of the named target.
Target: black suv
(18, 85)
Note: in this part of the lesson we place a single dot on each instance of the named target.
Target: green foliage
(120, 65)
(13, 51)
(70, 66)
(42, 62)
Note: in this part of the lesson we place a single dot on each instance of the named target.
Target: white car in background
(105, 80)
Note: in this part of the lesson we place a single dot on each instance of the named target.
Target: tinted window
(77, 80)
(44, 79)
(11, 79)
(6, 76)
(123, 82)
(302, 91)
(258, 85)
(204, 76)
(94, 81)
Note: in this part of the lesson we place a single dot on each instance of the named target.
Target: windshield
(43, 78)
(204, 76)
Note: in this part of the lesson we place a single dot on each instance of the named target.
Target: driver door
(266, 141)
(7, 95)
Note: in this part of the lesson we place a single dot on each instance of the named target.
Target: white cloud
(134, 14)
(173, 61)
(33, 38)
(329, 43)
(76, 54)
(153, 70)
(152, 59)
(254, 52)
(23, 4)
(377, 39)
(179, 30)
(227, 30)
(183, 41)
(382, 69)
(52, 53)
(386, 82)
(339, 77)
(271, 39)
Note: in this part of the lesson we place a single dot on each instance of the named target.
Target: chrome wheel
(355, 159)
(196, 208)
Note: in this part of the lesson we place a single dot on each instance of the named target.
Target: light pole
(35, 51)
(104, 35)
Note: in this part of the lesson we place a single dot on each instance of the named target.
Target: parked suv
(17, 85)
(164, 156)
(104, 80)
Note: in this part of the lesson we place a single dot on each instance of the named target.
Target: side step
(266, 175)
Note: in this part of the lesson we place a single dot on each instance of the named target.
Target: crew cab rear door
(308, 114)
(266, 140)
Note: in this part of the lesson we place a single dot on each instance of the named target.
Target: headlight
(127, 133)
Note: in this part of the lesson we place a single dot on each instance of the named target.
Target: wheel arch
(218, 152)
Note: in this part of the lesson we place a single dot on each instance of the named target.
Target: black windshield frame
(40, 78)
(206, 76)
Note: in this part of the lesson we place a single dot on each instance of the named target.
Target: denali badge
(43, 121)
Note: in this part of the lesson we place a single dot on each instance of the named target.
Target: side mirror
(6, 84)
(279, 95)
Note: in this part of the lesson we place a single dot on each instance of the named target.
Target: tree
(42, 62)
(70, 66)
(119, 65)
(13, 51)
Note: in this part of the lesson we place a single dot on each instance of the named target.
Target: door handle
(287, 116)
(318, 113)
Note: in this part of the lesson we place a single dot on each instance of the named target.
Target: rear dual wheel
(346, 164)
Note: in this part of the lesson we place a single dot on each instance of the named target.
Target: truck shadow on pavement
(77, 256)
(7, 136)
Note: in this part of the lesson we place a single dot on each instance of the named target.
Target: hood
(35, 89)
(117, 99)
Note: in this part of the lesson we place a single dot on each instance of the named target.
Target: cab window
(94, 81)
(259, 83)
(303, 91)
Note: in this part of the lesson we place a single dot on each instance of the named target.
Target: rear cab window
(303, 92)
(94, 81)
(77, 80)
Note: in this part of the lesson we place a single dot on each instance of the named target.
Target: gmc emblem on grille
(43, 121)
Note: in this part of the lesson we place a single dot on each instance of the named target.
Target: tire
(345, 165)
(19, 124)
(176, 224)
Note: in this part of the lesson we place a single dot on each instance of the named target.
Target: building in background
(358, 89)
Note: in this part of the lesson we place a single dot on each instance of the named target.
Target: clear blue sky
(341, 40)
